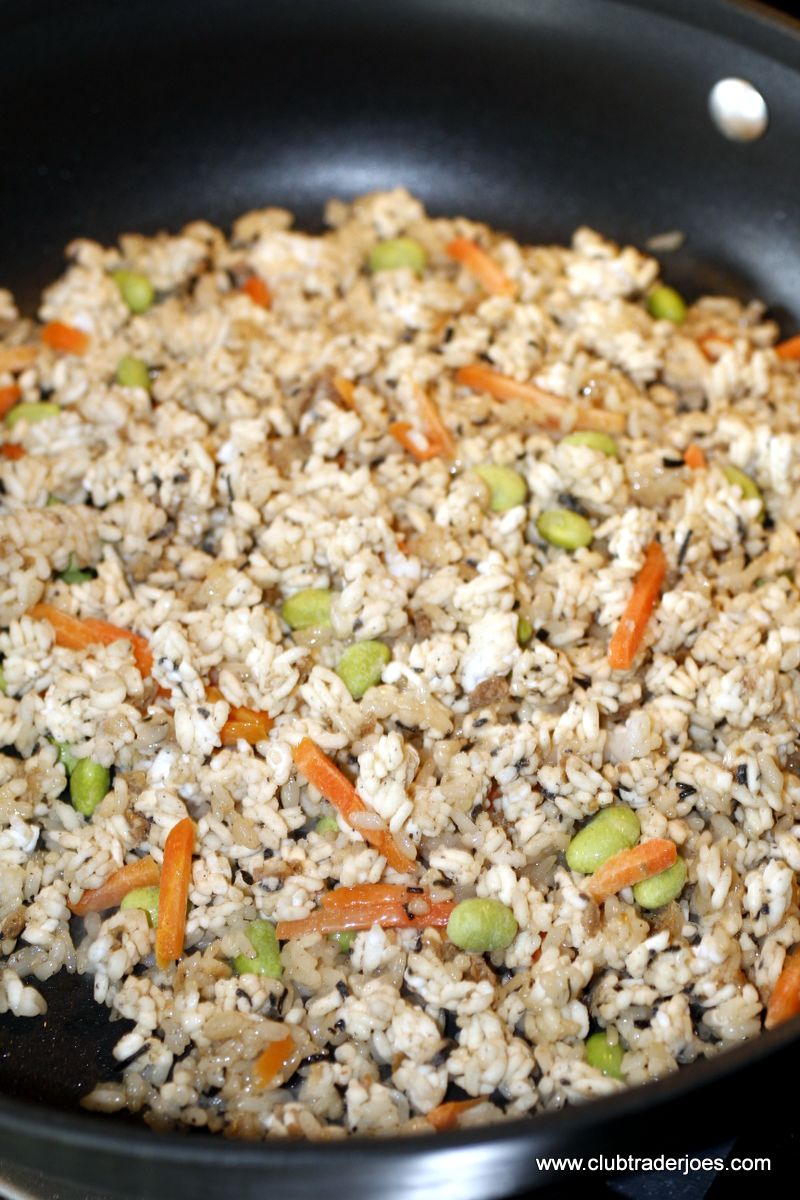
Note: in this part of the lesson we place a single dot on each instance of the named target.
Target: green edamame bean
(397, 252)
(594, 440)
(309, 609)
(145, 898)
(604, 1055)
(665, 304)
(481, 925)
(267, 961)
(66, 757)
(32, 412)
(524, 631)
(613, 829)
(76, 574)
(506, 486)
(344, 939)
(136, 290)
(327, 824)
(748, 487)
(663, 888)
(564, 528)
(88, 784)
(361, 666)
(132, 372)
(2, 680)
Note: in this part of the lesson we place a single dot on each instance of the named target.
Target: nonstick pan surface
(535, 115)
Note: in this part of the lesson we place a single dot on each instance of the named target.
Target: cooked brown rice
(245, 478)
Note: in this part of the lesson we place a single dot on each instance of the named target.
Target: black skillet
(536, 115)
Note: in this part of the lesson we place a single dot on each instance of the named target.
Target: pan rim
(85, 1130)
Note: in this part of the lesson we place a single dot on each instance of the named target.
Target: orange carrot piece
(16, 358)
(403, 433)
(631, 866)
(694, 457)
(345, 390)
(547, 409)
(437, 436)
(271, 1061)
(784, 1003)
(628, 635)
(173, 892)
(713, 344)
(12, 451)
(104, 632)
(323, 774)
(142, 872)
(368, 893)
(480, 264)
(789, 351)
(257, 290)
(445, 1116)
(247, 723)
(252, 732)
(8, 398)
(389, 915)
(74, 634)
(65, 338)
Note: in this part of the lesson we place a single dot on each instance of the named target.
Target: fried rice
(262, 462)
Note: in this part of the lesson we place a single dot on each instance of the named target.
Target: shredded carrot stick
(257, 290)
(247, 723)
(12, 451)
(631, 866)
(784, 1003)
(789, 351)
(8, 398)
(480, 264)
(367, 893)
(445, 1116)
(694, 457)
(142, 872)
(16, 358)
(323, 774)
(628, 635)
(546, 409)
(65, 338)
(387, 914)
(713, 345)
(345, 390)
(271, 1061)
(75, 634)
(173, 892)
(404, 433)
(437, 436)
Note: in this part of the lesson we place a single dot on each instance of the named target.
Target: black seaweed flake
(672, 462)
(567, 500)
(684, 547)
(320, 1056)
(741, 774)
